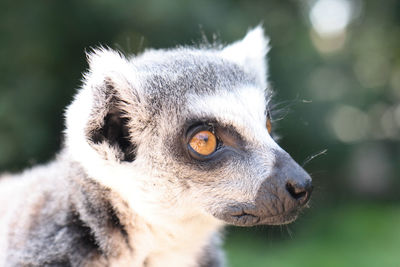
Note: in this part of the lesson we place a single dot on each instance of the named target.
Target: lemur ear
(250, 52)
(100, 119)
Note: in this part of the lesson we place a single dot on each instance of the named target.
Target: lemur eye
(269, 125)
(204, 143)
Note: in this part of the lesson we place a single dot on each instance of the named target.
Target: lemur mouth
(246, 219)
(239, 215)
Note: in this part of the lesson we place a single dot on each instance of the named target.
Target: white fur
(244, 108)
(251, 52)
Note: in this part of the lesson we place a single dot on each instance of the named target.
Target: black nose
(299, 191)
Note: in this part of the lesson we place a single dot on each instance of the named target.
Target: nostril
(299, 191)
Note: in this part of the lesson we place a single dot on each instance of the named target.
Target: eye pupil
(204, 143)
(202, 137)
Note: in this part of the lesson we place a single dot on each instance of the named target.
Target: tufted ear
(101, 119)
(250, 52)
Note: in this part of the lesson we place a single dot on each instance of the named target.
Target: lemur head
(184, 134)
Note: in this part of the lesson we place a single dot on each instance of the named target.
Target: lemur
(162, 150)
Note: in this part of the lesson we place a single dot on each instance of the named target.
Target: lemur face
(232, 165)
(186, 133)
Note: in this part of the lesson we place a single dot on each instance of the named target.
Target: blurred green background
(335, 67)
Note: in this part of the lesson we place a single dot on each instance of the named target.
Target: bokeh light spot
(330, 17)
(349, 124)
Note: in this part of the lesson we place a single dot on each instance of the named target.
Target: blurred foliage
(340, 93)
(354, 235)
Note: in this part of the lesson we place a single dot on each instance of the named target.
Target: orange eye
(269, 125)
(204, 143)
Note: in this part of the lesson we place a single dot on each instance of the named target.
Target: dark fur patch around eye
(233, 149)
(226, 134)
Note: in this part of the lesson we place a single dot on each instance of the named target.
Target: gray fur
(75, 225)
(126, 190)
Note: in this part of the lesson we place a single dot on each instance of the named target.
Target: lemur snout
(289, 183)
(285, 192)
(280, 197)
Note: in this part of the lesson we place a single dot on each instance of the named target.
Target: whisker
(281, 109)
(322, 152)
(290, 232)
(140, 46)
